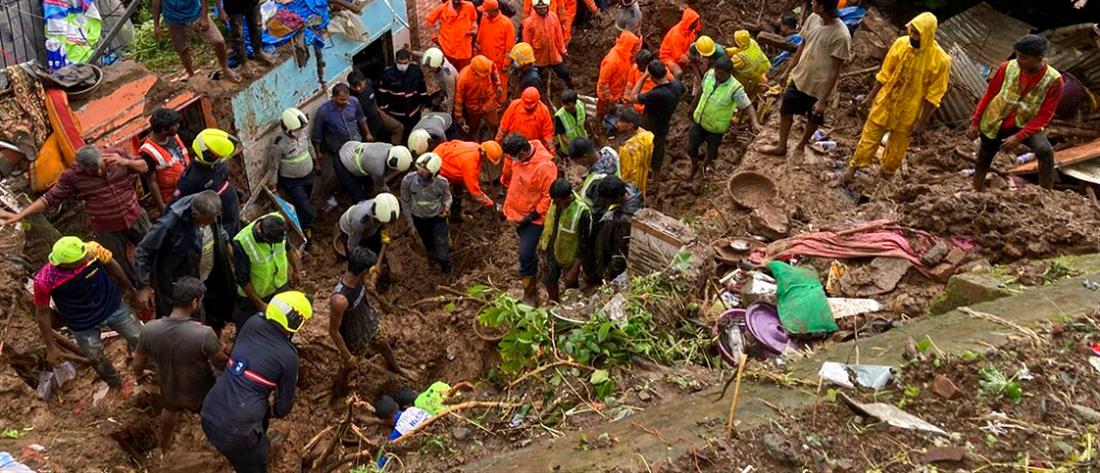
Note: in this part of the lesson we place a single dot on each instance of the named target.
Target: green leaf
(13, 433)
(924, 344)
(599, 377)
(1014, 392)
(449, 307)
(476, 290)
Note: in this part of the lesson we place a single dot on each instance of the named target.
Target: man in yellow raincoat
(907, 90)
(749, 62)
(637, 151)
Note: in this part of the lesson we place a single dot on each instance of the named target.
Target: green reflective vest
(716, 105)
(589, 180)
(1009, 100)
(267, 261)
(568, 230)
(574, 126)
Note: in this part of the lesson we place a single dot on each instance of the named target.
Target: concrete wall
(256, 109)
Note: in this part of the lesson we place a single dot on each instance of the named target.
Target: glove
(529, 218)
(385, 236)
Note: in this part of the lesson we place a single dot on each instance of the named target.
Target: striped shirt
(110, 200)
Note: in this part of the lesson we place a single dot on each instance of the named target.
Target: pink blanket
(874, 239)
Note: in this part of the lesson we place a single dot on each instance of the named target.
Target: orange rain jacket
(462, 163)
(528, 185)
(680, 38)
(453, 28)
(478, 94)
(615, 69)
(566, 11)
(544, 34)
(534, 124)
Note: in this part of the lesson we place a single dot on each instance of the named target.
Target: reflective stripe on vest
(250, 375)
(296, 159)
(717, 106)
(267, 261)
(1010, 99)
(574, 126)
(161, 156)
(357, 159)
(591, 178)
(565, 245)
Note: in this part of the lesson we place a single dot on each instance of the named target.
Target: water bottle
(1025, 158)
(819, 135)
(967, 173)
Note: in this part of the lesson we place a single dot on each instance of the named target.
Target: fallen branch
(858, 72)
(1029, 333)
(736, 393)
(487, 338)
(454, 408)
(546, 367)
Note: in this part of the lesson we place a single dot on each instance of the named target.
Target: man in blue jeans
(83, 281)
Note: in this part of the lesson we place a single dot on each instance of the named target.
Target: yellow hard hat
(213, 145)
(68, 250)
(290, 310)
(522, 53)
(705, 46)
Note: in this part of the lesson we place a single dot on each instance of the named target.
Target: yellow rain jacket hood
(911, 76)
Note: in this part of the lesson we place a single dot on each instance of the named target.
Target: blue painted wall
(257, 108)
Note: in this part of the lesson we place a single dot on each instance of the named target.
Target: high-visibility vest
(716, 106)
(267, 261)
(1010, 99)
(574, 126)
(589, 180)
(568, 230)
(167, 167)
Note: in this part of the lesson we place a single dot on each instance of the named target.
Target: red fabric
(528, 185)
(462, 163)
(495, 39)
(454, 26)
(679, 38)
(545, 36)
(615, 69)
(475, 94)
(1027, 81)
(879, 240)
(60, 102)
(534, 124)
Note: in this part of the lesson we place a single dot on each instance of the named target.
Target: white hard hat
(418, 141)
(386, 208)
(399, 158)
(430, 162)
(294, 119)
(542, 2)
(433, 57)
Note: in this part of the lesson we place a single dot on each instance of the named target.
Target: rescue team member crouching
(264, 263)
(528, 173)
(463, 163)
(566, 238)
(187, 241)
(426, 197)
(236, 412)
(363, 224)
(83, 281)
(184, 352)
(362, 167)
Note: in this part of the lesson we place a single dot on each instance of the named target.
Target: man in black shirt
(660, 103)
(381, 124)
(402, 91)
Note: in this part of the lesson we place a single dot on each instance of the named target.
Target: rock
(942, 454)
(956, 256)
(942, 272)
(967, 289)
(644, 396)
(1086, 413)
(943, 387)
(934, 254)
(1013, 251)
(779, 448)
(769, 222)
(460, 433)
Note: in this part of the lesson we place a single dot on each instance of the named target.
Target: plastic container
(1025, 158)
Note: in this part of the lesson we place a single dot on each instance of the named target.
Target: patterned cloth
(23, 120)
(110, 200)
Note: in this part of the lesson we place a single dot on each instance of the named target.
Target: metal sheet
(986, 34)
(1076, 49)
(1066, 157)
(965, 87)
(1088, 171)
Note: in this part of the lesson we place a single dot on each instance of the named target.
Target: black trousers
(1039, 145)
(434, 234)
(246, 450)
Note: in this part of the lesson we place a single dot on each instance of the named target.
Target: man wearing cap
(441, 78)
(529, 117)
(462, 163)
(479, 96)
(264, 263)
(83, 281)
(528, 173)
(457, 20)
(105, 180)
(523, 67)
(187, 241)
(720, 96)
(292, 156)
(264, 360)
(209, 170)
(815, 69)
(184, 352)
(426, 200)
(496, 36)
(362, 167)
(543, 32)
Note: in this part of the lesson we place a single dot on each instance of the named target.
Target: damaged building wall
(256, 109)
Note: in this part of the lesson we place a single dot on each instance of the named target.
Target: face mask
(915, 43)
(402, 67)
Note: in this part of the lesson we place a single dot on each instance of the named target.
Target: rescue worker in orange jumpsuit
(457, 21)
(478, 96)
(529, 117)
(674, 48)
(544, 33)
(463, 162)
(615, 72)
(528, 174)
(566, 11)
(496, 36)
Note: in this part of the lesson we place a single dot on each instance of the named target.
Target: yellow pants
(896, 146)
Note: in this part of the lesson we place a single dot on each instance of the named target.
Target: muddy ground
(438, 341)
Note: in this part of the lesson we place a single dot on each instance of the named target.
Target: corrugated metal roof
(986, 34)
(965, 87)
(1076, 49)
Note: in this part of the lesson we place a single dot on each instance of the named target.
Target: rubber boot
(530, 292)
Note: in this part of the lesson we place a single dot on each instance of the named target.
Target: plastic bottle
(1025, 158)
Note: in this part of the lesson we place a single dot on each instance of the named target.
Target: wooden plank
(1077, 154)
